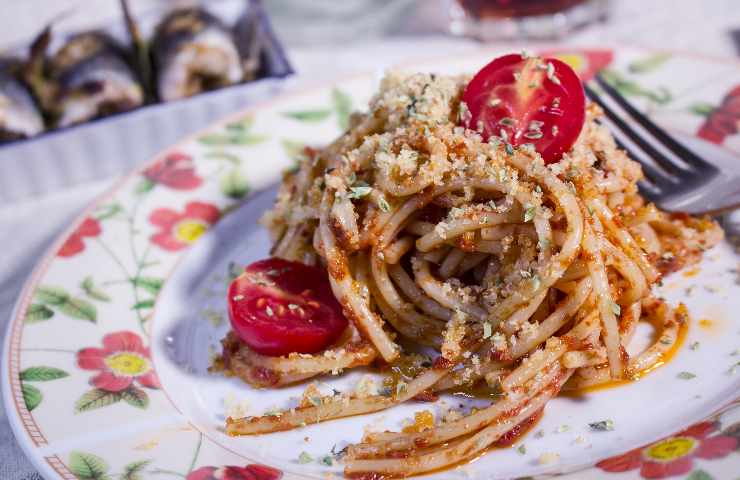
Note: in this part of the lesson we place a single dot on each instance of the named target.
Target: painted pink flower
(586, 63)
(724, 120)
(178, 230)
(673, 455)
(75, 244)
(250, 472)
(176, 171)
(122, 360)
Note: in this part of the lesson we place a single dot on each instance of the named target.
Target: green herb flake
(603, 425)
(327, 460)
(686, 375)
(509, 148)
(522, 449)
(616, 309)
(487, 330)
(359, 192)
(529, 214)
(383, 204)
(304, 458)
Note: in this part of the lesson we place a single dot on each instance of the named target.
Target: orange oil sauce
(683, 331)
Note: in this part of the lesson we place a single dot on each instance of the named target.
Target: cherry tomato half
(527, 100)
(278, 307)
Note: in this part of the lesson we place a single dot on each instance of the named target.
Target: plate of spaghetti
(447, 272)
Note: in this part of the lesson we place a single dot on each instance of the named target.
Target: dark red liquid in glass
(515, 8)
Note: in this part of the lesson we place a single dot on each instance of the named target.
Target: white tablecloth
(28, 227)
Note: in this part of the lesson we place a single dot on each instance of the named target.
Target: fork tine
(668, 165)
(656, 179)
(658, 133)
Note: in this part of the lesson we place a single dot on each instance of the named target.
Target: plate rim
(33, 452)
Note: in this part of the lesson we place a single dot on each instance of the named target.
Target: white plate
(127, 295)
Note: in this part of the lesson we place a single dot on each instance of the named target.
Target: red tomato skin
(561, 105)
(278, 307)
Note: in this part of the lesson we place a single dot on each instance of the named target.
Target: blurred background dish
(20, 117)
(194, 52)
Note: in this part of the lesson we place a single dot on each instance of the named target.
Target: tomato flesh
(279, 307)
(527, 100)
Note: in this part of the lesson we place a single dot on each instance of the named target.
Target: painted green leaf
(293, 148)
(143, 304)
(311, 116)
(87, 466)
(91, 290)
(234, 184)
(233, 138)
(150, 284)
(628, 88)
(51, 295)
(242, 125)
(79, 308)
(132, 471)
(649, 64)
(343, 106)
(144, 186)
(38, 313)
(108, 211)
(42, 374)
(702, 108)
(31, 396)
(135, 397)
(699, 475)
(229, 157)
(96, 398)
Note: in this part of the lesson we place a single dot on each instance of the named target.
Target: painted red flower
(673, 455)
(74, 244)
(586, 63)
(176, 171)
(724, 120)
(122, 360)
(250, 472)
(178, 230)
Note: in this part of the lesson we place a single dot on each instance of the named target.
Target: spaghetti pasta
(524, 276)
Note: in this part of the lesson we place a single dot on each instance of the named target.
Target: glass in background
(522, 19)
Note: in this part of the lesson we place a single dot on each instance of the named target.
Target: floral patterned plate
(105, 361)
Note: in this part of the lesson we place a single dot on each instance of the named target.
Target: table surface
(687, 25)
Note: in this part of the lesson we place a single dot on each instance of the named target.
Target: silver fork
(676, 177)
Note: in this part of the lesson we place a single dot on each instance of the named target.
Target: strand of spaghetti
(393, 252)
(414, 293)
(444, 231)
(551, 271)
(605, 303)
(584, 358)
(628, 269)
(499, 232)
(438, 292)
(517, 321)
(563, 311)
(449, 265)
(424, 334)
(630, 319)
(347, 355)
(471, 261)
(624, 239)
(345, 290)
(381, 443)
(471, 446)
(401, 308)
(330, 408)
